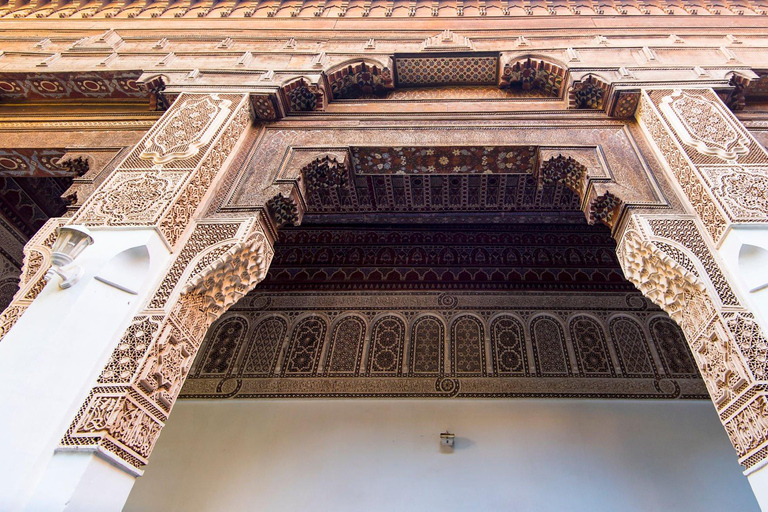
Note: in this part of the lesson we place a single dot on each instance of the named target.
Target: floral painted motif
(445, 160)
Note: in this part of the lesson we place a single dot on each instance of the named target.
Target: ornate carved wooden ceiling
(434, 179)
(486, 311)
(28, 203)
(539, 257)
(366, 8)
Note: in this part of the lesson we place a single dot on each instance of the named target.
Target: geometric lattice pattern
(444, 70)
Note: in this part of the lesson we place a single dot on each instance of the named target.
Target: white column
(49, 361)
(744, 253)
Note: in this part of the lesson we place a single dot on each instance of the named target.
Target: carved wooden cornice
(361, 9)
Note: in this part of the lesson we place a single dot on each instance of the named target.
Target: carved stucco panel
(729, 347)
(189, 127)
(704, 124)
(681, 168)
(124, 414)
(166, 176)
(748, 429)
(719, 362)
(741, 190)
(131, 198)
(177, 217)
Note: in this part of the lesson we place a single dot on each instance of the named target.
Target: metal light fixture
(71, 241)
(446, 439)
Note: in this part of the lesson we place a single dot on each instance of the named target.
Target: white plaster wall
(384, 455)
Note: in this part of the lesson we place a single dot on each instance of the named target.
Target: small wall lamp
(70, 242)
(446, 439)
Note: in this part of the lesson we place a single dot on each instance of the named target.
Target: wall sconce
(446, 439)
(70, 242)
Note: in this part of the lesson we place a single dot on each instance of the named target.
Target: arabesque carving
(716, 161)
(165, 177)
(704, 124)
(124, 413)
(232, 275)
(729, 347)
(37, 260)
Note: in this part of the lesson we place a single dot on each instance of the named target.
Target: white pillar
(51, 359)
(744, 253)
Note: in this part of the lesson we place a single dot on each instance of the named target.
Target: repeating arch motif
(672, 347)
(468, 346)
(304, 350)
(508, 345)
(591, 351)
(549, 347)
(265, 346)
(387, 341)
(223, 345)
(427, 345)
(633, 353)
(346, 346)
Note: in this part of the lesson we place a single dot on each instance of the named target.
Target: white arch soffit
(127, 270)
(753, 266)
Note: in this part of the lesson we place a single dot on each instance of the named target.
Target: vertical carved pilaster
(161, 184)
(722, 171)
(126, 410)
(671, 262)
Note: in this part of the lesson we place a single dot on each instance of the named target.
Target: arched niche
(753, 267)
(127, 270)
